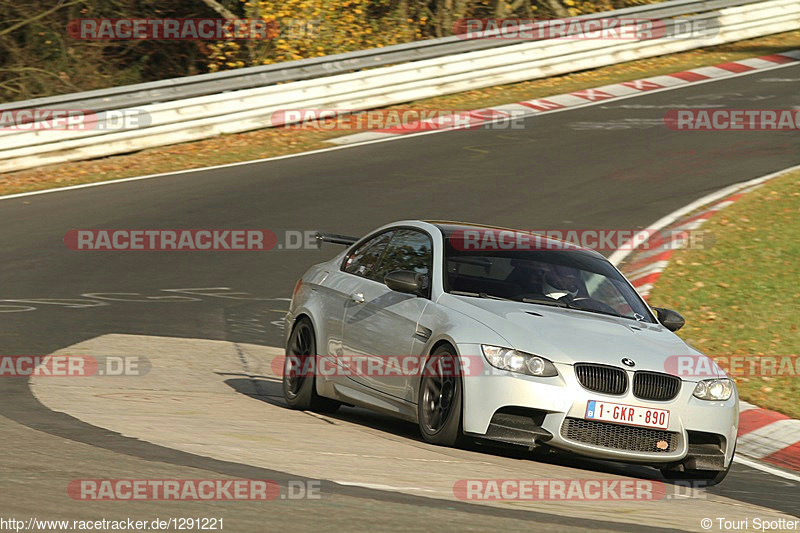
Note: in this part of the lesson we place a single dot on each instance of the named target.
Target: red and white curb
(540, 106)
(768, 436)
(763, 434)
(647, 265)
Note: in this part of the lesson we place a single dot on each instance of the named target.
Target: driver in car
(536, 279)
(558, 282)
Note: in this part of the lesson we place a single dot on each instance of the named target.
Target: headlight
(514, 361)
(714, 389)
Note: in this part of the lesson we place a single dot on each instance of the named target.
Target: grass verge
(742, 296)
(276, 141)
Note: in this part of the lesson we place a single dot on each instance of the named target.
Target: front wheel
(440, 399)
(299, 368)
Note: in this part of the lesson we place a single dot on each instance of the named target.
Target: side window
(362, 260)
(409, 250)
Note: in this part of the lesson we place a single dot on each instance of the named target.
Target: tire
(440, 400)
(711, 477)
(299, 386)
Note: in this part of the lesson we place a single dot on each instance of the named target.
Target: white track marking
(764, 468)
(617, 257)
(379, 486)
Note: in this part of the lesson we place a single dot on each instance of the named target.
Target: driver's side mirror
(407, 281)
(672, 320)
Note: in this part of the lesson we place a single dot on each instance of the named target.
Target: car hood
(570, 336)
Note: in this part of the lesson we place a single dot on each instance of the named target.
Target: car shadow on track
(269, 390)
(743, 483)
(262, 388)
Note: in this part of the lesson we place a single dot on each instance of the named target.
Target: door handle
(357, 297)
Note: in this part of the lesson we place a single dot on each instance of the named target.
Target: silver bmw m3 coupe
(483, 333)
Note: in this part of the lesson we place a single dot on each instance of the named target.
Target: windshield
(564, 278)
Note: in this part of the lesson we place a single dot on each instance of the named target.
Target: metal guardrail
(261, 76)
(197, 107)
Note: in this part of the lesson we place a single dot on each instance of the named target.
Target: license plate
(627, 414)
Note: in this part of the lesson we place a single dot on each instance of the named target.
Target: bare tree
(557, 8)
(219, 8)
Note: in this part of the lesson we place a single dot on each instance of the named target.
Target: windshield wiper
(540, 301)
(599, 312)
(552, 303)
(479, 295)
(567, 305)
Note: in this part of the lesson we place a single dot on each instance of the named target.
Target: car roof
(448, 227)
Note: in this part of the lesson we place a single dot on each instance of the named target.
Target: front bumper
(562, 397)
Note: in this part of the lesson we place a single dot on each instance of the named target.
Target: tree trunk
(220, 9)
(557, 8)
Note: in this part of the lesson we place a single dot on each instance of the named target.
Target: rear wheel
(440, 399)
(299, 387)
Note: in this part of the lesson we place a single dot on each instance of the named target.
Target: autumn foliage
(39, 58)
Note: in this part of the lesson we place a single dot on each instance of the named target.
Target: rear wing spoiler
(335, 239)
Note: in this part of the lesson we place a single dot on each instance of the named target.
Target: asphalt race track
(604, 166)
